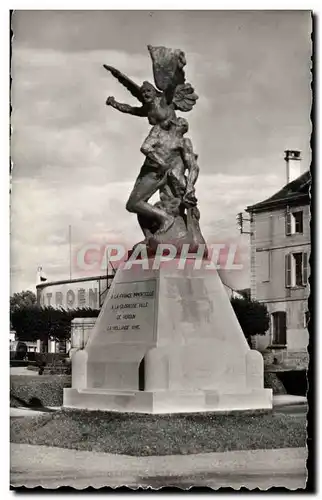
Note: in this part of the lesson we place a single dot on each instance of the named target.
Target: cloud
(60, 121)
(41, 215)
(75, 160)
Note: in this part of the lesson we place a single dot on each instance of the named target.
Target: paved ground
(22, 370)
(30, 412)
(288, 399)
(53, 467)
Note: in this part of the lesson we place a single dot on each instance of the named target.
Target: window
(296, 269)
(298, 222)
(263, 265)
(294, 223)
(279, 328)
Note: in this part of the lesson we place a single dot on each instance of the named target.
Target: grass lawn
(41, 390)
(177, 434)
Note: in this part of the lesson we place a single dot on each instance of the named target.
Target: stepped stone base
(167, 341)
(167, 401)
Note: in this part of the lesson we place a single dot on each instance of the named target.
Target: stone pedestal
(167, 340)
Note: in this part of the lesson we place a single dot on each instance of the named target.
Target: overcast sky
(75, 160)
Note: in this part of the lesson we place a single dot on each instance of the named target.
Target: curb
(20, 411)
(292, 401)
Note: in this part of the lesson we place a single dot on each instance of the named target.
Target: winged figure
(159, 104)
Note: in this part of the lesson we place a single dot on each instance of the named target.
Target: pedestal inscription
(131, 306)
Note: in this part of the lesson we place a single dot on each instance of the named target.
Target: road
(22, 370)
(53, 467)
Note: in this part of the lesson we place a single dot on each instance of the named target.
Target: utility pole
(240, 223)
(70, 251)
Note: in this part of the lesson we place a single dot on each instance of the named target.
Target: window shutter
(288, 223)
(283, 327)
(305, 268)
(288, 270)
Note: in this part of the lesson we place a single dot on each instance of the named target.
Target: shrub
(18, 350)
(31, 356)
(252, 316)
(17, 363)
(49, 358)
(271, 381)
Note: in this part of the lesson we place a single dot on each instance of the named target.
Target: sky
(75, 160)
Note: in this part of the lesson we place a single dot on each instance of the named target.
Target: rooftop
(294, 192)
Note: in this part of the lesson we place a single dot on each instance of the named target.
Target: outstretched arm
(126, 108)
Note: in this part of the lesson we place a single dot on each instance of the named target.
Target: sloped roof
(294, 192)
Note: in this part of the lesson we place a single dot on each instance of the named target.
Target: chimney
(293, 164)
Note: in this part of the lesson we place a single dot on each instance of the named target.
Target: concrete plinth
(167, 340)
(166, 401)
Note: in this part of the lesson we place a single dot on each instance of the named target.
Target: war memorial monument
(167, 339)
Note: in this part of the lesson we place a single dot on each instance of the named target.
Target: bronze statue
(168, 156)
(168, 153)
(158, 107)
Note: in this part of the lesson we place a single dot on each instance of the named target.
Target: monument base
(167, 401)
(167, 340)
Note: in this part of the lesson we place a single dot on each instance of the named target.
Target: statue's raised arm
(133, 88)
(172, 93)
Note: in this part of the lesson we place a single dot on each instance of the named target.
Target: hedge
(15, 363)
(34, 322)
(48, 358)
(40, 359)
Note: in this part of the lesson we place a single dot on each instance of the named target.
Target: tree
(25, 298)
(34, 322)
(252, 315)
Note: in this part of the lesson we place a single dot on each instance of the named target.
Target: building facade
(280, 251)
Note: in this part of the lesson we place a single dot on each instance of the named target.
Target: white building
(280, 251)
